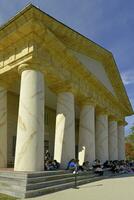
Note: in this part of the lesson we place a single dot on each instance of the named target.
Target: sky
(110, 23)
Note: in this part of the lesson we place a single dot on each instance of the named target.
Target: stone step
(31, 184)
(57, 181)
(53, 177)
(49, 183)
(47, 178)
(12, 181)
(47, 190)
(47, 173)
(17, 175)
(58, 187)
(86, 180)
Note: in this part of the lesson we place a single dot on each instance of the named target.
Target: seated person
(69, 163)
(96, 163)
(115, 168)
(55, 164)
(99, 171)
(72, 165)
(86, 166)
(46, 165)
(106, 164)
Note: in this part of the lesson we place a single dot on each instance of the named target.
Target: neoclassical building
(58, 91)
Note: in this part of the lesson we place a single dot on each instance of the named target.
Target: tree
(129, 148)
(129, 145)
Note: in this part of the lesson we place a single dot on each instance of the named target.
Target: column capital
(24, 67)
(61, 87)
(122, 123)
(112, 118)
(87, 102)
(29, 66)
(101, 111)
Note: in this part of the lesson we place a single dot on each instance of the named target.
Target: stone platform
(31, 184)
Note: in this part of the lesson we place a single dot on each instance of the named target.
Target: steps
(51, 183)
(26, 185)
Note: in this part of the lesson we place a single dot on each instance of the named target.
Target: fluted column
(87, 134)
(101, 137)
(113, 140)
(3, 127)
(30, 130)
(121, 142)
(65, 129)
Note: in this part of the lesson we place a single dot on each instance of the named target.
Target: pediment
(96, 68)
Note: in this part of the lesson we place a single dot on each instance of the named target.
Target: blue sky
(109, 23)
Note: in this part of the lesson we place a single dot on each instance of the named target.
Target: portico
(51, 77)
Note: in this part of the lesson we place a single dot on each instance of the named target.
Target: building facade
(58, 91)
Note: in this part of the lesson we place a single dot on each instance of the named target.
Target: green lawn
(6, 197)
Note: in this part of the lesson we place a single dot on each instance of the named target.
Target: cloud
(128, 77)
(130, 124)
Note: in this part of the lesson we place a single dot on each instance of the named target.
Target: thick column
(87, 134)
(65, 129)
(101, 137)
(121, 142)
(113, 140)
(3, 128)
(30, 131)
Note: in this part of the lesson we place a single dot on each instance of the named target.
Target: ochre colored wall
(12, 116)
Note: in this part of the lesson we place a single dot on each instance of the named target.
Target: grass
(6, 197)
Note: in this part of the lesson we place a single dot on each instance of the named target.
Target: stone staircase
(26, 185)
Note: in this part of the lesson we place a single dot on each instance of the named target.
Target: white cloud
(128, 77)
(130, 121)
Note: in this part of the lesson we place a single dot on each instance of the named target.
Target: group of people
(50, 164)
(120, 166)
(97, 167)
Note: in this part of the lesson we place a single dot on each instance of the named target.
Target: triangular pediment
(96, 68)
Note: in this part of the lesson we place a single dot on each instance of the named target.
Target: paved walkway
(110, 189)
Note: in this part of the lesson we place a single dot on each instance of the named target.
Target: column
(113, 140)
(87, 134)
(65, 129)
(121, 142)
(3, 128)
(101, 137)
(30, 130)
